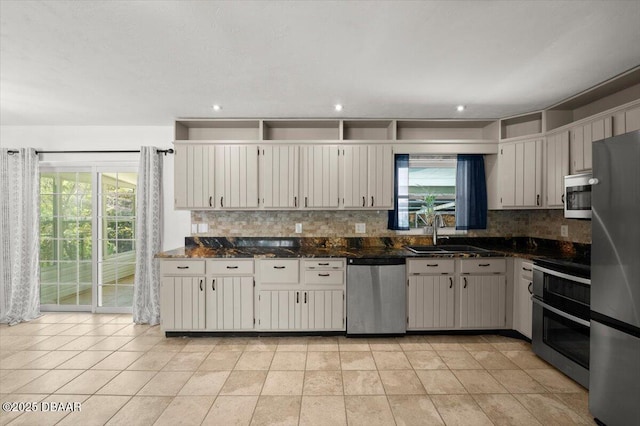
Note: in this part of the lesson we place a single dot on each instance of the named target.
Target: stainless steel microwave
(577, 196)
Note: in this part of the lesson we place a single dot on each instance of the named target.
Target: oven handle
(561, 313)
(562, 275)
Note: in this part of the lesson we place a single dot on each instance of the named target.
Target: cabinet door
(618, 126)
(322, 310)
(229, 303)
(525, 306)
(194, 176)
(277, 309)
(430, 301)
(601, 129)
(482, 301)
(577, 149)
(380, 193)
(279, 176)
(507, 168)
(355, 176)
(319, 165)
(529, 182)
(586, 147)
(557, 151)
(632, 119)
(236, 176)
(182, 303)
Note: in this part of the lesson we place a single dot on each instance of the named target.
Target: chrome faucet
(436, 219)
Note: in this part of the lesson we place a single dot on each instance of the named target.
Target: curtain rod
(160, 151)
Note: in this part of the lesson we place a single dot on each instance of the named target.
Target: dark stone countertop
(523, 247)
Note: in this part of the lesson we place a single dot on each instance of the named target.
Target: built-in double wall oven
(561, 302)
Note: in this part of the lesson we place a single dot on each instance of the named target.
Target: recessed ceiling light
(460, 108)
(217, 107)
(338, 107)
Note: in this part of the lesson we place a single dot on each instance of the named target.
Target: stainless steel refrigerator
(614, 376)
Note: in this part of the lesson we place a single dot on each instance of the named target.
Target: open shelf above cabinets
(358, 130)
(216, 130)
(613, 93)
(301, 130)
(522, 126)
(418, 130)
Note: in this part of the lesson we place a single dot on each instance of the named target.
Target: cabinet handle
(297, 297)
(221, 203)
(432, 265)
(232, 267)
(372, 201)
(538, 200)
(562, 198)
(324, 275)
(305, 297)
(484, 264)
(210, 201)
(279, 267)
(295, 201)
(305, 202)
(213, 284)
(183, 267)
(323, 264)
(363, 201)
(529, 287)
(465, 282)
(201, 285)
(526, 269)
(450, 282)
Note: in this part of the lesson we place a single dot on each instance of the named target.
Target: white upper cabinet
(632, 119)
(236, 176)
(279, 170)
(557, 167)
(367, 176)
(521, 173)
(319, 170)
(194, 176)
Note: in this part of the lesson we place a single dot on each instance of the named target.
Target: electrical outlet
(564, 230)
(361, 228)
(298, 228)
(194, 228)
(203, 227)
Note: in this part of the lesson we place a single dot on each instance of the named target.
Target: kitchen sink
(445, 249)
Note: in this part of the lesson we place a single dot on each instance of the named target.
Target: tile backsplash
(500, 223)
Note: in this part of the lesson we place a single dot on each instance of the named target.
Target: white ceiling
(148, 62)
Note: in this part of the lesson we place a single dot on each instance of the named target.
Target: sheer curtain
(19, 235)
(146, 290)
(471, 193)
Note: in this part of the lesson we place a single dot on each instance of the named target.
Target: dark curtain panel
(399, 216)
(471, 193)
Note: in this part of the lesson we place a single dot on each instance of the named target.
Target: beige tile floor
(126, 374)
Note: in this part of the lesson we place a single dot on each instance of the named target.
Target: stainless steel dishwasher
(376, 296)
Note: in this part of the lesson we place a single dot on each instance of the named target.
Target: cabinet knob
(213, 284)
(221, 203)
(465, 282)
(210, 201)
(324, 275)
(295, 201)
(297, 297)
(529, 287)
(201, 281)
(450, 282)
(363, 201)
(372, 203)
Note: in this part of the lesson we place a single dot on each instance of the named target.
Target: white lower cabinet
(301, 310)
(192, 298)
(483, 301)
(229, 303)
(182, 303)
(301, 296)
(430, 301)
(522, 292)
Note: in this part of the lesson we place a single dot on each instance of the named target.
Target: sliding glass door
(87, 238)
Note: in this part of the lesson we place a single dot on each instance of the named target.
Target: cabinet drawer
(182, 267)
(323, 264)
(430, 266)
(279, 271)
(482, 266)
(526, 270)
(323, 277)
(230, 267)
